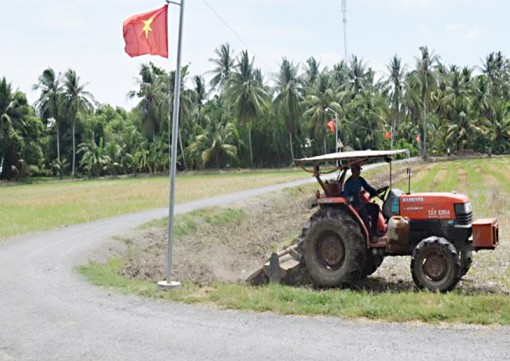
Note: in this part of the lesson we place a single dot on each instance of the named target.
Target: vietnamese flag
(147, 33)
(417, 138)
(331, 125)
(387, 135)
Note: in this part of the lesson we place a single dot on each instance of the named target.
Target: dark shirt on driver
(352, 188)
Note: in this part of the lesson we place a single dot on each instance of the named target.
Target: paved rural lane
(49, 312)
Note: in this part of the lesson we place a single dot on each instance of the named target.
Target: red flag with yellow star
(147, 33)
(331, 125)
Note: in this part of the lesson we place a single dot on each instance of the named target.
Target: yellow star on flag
(148, 25)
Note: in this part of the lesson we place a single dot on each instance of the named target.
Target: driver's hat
(356, 166)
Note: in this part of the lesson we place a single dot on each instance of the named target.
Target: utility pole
(338, 148)
(344, 12)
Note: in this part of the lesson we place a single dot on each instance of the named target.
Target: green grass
(468, 176)
(189, 222)
(37, 207)
(484, 309)
(485, 181)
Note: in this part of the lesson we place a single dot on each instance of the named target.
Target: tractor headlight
(463, 214)
(463, 208)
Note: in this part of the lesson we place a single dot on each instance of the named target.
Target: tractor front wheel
(435, 265)
(466, 259)
(334, 249)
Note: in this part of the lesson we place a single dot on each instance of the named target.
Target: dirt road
(48, 312)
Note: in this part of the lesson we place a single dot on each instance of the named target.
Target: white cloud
(475, 34)
(86, 35)
(62, 17)
(454, 28)
(423, 29)
(464, 32)
(415, 2)
(418, 2)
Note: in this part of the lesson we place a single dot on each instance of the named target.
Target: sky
(86, 36)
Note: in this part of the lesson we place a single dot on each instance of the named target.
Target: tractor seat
(333, 189)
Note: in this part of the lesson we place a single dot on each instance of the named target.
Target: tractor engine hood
(434, 206)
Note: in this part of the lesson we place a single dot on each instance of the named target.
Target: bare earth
(227, 253)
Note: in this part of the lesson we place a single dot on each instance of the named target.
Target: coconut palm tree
(367, 114)
(75, 100)
(395, 81)
(463, 130)
(141, 157)
(341, 75)
(199, 94)
(246, 95)
(215, 143)
(482, 99)
(14, 112)
(318, 99)
(455, 99)
(6, 110)
(288, 101)
(49, 103)
(153, 93)
(423, 81)
(498, 128)
(312, 72)
(158, 154)
(497, 69)
(224, 66)
(94, 157)
(359, 75)
(222, 148)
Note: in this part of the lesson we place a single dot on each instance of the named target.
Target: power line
(362, 127)
(237, 35)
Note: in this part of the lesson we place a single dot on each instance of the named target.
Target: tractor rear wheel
(335, 251)
(372, 264)
(435, 265)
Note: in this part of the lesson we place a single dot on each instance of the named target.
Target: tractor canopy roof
(350, 158)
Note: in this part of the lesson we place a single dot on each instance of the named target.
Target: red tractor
(335, 250)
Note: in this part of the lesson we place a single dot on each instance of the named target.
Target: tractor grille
(465, 219)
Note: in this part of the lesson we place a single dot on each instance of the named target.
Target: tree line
(244, 118)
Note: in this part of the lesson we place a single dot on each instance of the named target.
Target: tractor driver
(367, 211)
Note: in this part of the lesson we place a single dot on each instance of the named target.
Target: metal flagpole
(173, 155)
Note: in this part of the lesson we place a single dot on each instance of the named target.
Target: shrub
(33, 170)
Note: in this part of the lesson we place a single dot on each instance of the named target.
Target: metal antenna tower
(344, 12)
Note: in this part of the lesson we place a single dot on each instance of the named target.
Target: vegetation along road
(49, 312)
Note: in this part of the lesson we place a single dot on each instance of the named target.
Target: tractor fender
(349, 209)
(357, 218)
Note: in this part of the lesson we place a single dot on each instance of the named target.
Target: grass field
(453, 307)
(37, 207)
(43, 206)
(484, 299)
(485, 181)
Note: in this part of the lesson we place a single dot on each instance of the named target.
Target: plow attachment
(282, 267)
